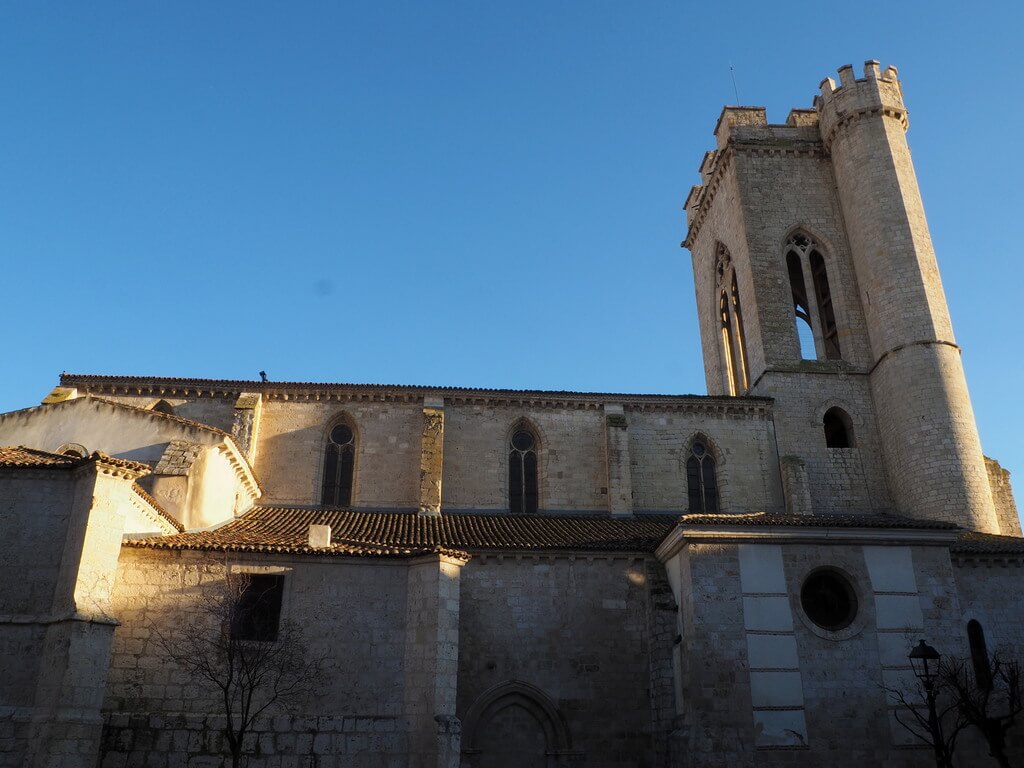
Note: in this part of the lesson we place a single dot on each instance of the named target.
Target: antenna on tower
(732, 71)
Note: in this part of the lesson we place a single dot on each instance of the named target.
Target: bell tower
(817, 285)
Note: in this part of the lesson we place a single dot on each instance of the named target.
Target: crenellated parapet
(878, 93)
(806, 131)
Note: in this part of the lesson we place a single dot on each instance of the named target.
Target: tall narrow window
(817, 331)
(801, 310)
(730, 371)
(979, 655)
(826, 315)
(838, 429)
(741, 340)
(701, 483)
(522, 472)
(339, 464)
(730, 322)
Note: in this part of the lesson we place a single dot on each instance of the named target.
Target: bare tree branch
(251, 677)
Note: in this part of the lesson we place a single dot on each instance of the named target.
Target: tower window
(816, 328)
(829, 332)
(979, 655)
(838, 429)
(339, 466)
(162, 406)
(730, 371)
(801, 311)
(522, 472)
(701, 483)
(734, 351)
(743, 380)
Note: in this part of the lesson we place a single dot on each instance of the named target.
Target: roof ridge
(249, 385)
(158, 414)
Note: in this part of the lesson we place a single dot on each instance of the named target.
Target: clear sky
(452, 193)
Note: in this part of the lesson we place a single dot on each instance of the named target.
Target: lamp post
(925, 662)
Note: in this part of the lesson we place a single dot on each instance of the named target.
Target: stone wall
(764, 684)
(353, 612)
(566, 643)
(743, 447)
(1002, 498)
(293, 438)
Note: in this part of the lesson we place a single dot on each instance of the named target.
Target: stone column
(620, 476)
(432, 456)
(431, 661)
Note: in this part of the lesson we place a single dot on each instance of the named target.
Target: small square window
(258, 610)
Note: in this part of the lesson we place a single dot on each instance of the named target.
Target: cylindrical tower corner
(930, 438)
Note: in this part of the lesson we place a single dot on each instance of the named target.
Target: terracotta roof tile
(20, 456)
(974, 543)
(816, 521)
(285, 529)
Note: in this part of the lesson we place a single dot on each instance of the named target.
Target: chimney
(319, 536)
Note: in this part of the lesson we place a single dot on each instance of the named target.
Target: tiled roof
(816, 521)
(156, 505)
(238, 385)
(20, 456)
(286, 529)
(974, 543)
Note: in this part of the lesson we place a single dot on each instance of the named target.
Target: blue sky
(451, 193)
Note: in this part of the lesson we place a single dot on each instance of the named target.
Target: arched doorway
(514, 725)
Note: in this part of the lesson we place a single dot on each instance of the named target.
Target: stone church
(502, 578)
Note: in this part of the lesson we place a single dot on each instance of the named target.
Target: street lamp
(925, 662)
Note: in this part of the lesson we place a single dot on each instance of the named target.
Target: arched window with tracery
(730, 317)
(838, 428)
(979, 655)
(339, 466)
(701, 478)
(523, 492)
(816, 328)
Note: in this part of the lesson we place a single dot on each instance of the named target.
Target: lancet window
(734, 346)
(339, 466)
(701, 478)
(523, 495)
(816, 328)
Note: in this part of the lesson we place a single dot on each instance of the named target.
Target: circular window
(699, 449)
(341, 434)
(828, 600)
(522, 441)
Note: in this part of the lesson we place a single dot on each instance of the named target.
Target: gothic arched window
(816, 330)
(734, 349)
(801, 310)
(838, 428)
(701, 482)
(727, 345)
(741, 339)
(339, 466)
(979, 655)
(523, 496)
